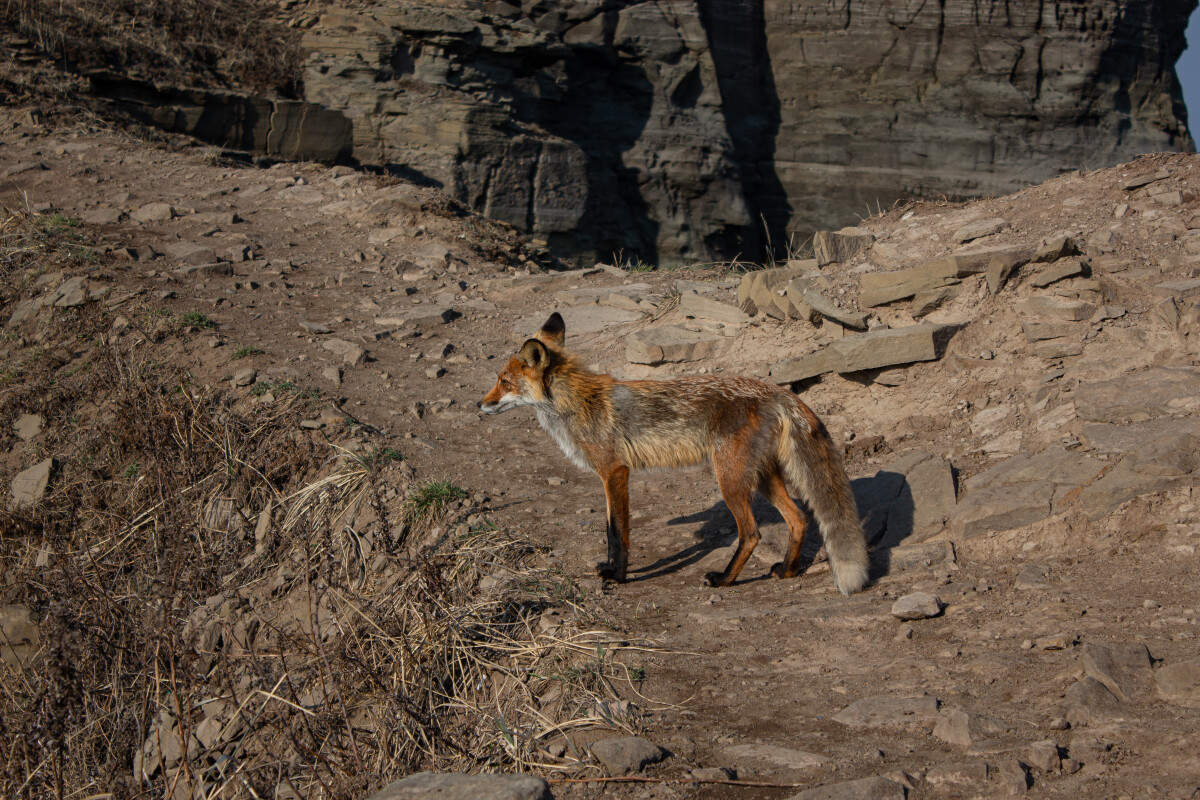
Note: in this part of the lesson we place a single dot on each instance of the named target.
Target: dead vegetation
(211, 43)
(230, 607)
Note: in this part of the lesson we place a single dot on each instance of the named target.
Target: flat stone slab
(760, 287)
(580, 319)
(1059, 270)
(1154, 466)
(1180, 289)
(701, 307)
(599, 295)
(1089, 701)
(672, 344)
(881, 348)
(873, 712)
(1002, 508)
(977, 230)
(429, 785)
(1157, 392)
(1037, 331)
(28, 426)
(423, 315)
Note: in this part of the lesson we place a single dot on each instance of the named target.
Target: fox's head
(522, 382)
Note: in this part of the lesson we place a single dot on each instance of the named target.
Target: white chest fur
(553, 424)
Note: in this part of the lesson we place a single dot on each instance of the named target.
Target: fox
(759, 437)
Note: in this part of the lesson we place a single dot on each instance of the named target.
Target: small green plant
(378, 456)
(56, 223)
(132, 471)
(244, 351)
(429, 501)
(637, 673)
(195, 318)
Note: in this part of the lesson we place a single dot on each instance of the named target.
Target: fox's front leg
(616, 494)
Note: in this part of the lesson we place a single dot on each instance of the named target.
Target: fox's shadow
(884, 504)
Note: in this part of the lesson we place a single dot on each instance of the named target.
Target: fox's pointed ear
(535, 354)
(554, 332)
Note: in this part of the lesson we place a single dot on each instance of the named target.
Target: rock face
(688, 131)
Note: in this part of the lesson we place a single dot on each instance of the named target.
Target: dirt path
(752, 678)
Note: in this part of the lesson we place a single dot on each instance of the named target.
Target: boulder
(627, 755)
(963, 728)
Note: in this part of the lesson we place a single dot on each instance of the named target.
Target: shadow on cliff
(604, 107)
(885, 528)
(737, 39)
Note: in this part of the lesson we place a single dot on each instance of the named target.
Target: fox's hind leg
(775, 488)
(729, 466)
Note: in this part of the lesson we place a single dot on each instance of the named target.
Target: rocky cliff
(700, 129)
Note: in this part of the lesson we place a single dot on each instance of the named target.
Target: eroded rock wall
(700, 129)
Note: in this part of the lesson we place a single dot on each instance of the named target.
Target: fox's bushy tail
(814, 471)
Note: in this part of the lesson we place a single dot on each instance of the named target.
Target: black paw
(778, 571)
(716, 579)
(608, 572)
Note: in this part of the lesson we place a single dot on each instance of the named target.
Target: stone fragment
(884, 347)
(1168, 310)
(1124, 669)
(890, 560)
(22, 167)
(918, 605)
(963, 728)
(1055, 641)
(30, 485)
(673, 344)
(831, 247)
(1180, 682)
(1049, 308)
(977, 230)
(764, 283)
(1014, 776)
(430, 256)
(430, 785)
(104, 216)
(314, 327)
(1144, 180)
(154, 212)
(352, 354)
(1060, 270)
(701, 307)
(19, 635)
(880, 288)
(876, 788)
(245, 377)
(786, 757)
(627, 755)
(28, 426)
(1056, 247)
(191, 253)
(1089, 701)
(827, 308)
(872, 712)
(1043, 755)
(927, 301)
(333, 375)
(73, 292)
(1160, 465)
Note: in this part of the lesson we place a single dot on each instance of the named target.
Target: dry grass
(202, 571)
(214, 43)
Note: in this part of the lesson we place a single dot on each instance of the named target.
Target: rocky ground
(1016, 382)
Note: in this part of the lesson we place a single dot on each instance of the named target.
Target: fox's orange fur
(759, 437)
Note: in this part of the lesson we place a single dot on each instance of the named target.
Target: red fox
(758, 436)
